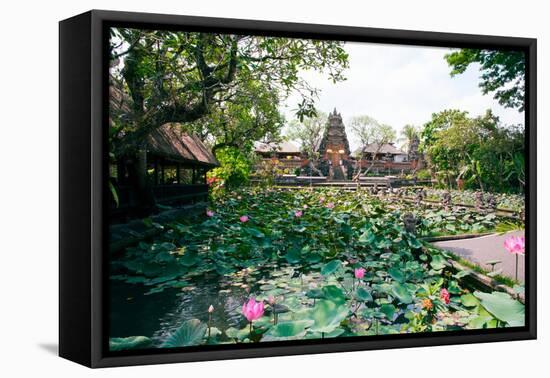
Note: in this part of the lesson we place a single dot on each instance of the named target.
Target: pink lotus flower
(244, 218)
(359, 273)
(515, 245)
(298, 213)
(253, 310)
(305, 207)
(322, 199)
(271, 300)
(330, 205)
(445, 296)
(209, 213)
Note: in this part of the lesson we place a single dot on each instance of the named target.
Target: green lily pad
(190, 332)
(293, 256)
(315, 294)
(396, 274)
(462, 273)
(128, 343)
(334, 294)
(469, 300)
(363, 295)
(438, 262)
(331, 267)
(479, 321)
(503, 307)
(401, 292)
(327, 316)
(239, 334)
(288, 330)
(414, 242)
(255, 232)
(388, 310)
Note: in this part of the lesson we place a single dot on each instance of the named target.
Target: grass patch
(503, 280)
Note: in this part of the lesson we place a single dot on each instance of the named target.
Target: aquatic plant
(306, 270)
(516, 246)
(253, 310)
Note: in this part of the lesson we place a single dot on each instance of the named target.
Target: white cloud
(399, 85)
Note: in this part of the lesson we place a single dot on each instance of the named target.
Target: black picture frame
(83, 110)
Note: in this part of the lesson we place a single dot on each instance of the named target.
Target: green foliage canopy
(502, 73)
(235, 166)
(226, 88)
(479, 150)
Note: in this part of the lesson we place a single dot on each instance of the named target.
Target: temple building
(386, 152)
(334, 148)
(168, 170)
(287, 155)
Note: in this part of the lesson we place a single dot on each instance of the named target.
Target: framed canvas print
(234, 188)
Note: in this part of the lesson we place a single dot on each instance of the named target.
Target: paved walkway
(486, 248)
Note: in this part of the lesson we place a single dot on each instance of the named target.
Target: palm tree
(408, 133)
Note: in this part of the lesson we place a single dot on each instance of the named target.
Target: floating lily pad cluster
(504, 201)
(299, 251)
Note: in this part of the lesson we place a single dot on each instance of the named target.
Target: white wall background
(29, 189)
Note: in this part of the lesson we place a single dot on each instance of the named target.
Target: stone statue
(479, 202)
(413, 148)
(410, 222)
(420, 195)
(446, 200)
(374, 189)
(491, 202)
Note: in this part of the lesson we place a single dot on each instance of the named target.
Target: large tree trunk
(371, 164)
(144, 191)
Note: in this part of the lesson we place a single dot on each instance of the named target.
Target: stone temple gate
(334, 152)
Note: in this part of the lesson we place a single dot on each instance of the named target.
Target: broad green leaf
(462, 273)
(414, 242)
(396, 274)
(331, 267)
(327, 316)
(479, 322)
(190, 332)
(503, 307)
(315, 294)
(388, 310)
(293, 255)
(402, 293)
(254, 232)
(363, 294)
(438, 262)
(128, 343)
(288, 330)
(469, 300)
(334, 294)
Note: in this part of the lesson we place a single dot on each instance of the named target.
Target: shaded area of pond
(133, 312)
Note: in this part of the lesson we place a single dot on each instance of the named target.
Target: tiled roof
(171, 142)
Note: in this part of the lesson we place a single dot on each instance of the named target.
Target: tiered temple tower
(334, 147)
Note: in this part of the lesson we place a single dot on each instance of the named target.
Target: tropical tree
(225, 88)
(408, 134)
(369, 131)
(309, 133)
(502, 73)
(181, 77)
(479, 151)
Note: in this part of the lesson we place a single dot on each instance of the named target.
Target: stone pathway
(486, 248)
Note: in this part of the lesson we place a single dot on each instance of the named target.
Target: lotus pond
(265, 265)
